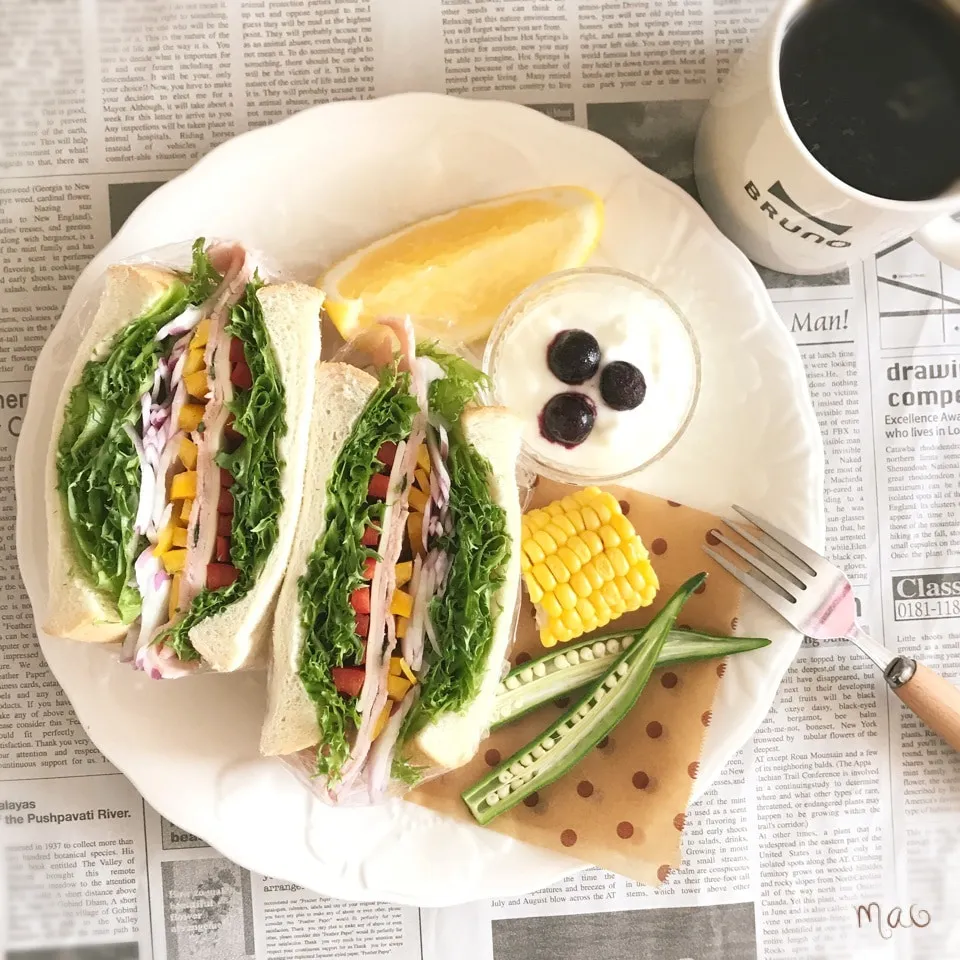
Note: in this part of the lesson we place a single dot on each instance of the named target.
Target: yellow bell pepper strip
(401, 604)
(174, 560)
(184, 485)
(190, 416)
(187, 452)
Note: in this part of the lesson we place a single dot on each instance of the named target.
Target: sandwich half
(397, 610)
(175, 470)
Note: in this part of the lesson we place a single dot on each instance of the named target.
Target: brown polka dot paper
(623, 807)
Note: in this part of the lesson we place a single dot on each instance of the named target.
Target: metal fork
(816, 598)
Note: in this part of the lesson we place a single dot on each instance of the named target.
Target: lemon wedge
(456, 272)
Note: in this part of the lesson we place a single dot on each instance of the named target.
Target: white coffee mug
(767, 193)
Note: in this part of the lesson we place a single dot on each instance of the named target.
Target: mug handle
(941, 237)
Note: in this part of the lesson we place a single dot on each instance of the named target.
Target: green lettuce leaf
(334, 569)
(203, 278)
(98, 473)
(448, 397)
(260, 414)
(463, 617)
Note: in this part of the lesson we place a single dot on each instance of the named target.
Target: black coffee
(872, 88)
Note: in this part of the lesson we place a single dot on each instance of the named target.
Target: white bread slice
(452, 739)
(76, 610)
(238, 635)
(340, 396)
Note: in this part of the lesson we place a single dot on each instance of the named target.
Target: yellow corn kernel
(537, 520)
(609, 536)
(195, 361)
(187, 452)
(586, 494)
(602, 608)
(590, 519)
(397, 687)
(627, 593)
(423, 458)
(534, 551)
(184, 485)
(524, 563)
(564, 593)
(592, 574)
(173, 601)
(586, 608)
(547, 639)
(581, 585)
(569, 505)
(636, 580)
(618, 561)
(572, 621)
(554, 509)
(623, 527)
(381, 722)
(547, 543)
(556, 534)
(543, 576)
(174, 560)
(611, 594)
(197, 384)
(561, 631)
(604, 567)
(593, 542)
(534, 590)
(401, 604)
(418, 499)
(633, 550)
(551, 605)
(422, 479)
(415, 531)
(402, 623)
(569, 559)
(190, 416)
(602, 510)
(201, 334)
(164, 539)
(647, 594)
(565, 526)
(579, 547)
(185, 511)
(556, 567)
(403, 572)
(180, 536)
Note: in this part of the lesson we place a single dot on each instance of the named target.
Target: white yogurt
(630, 322)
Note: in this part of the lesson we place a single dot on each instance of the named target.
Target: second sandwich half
(397, 608)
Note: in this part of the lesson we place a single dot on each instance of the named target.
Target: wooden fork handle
(933, 699)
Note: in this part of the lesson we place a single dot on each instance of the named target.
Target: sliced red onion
(148, 483)
(181, 324)
(145, 403)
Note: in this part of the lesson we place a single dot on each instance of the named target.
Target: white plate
(308, 190)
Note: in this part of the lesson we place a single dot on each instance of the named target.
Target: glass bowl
(608, 303)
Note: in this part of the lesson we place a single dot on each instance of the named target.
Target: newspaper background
(840, 800)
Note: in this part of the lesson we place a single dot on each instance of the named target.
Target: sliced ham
(202, 526)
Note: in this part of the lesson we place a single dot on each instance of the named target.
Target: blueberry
(622, 385)
(573, 356)
(568, 418)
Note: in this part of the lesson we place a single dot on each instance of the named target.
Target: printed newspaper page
(834, 833)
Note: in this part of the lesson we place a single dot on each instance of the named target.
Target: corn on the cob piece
(584, 565)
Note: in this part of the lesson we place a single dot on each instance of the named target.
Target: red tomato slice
(225, 503)
(371, 537)
(221, 575)
(360, 600)
(363, 625)
(226, 478)
(379, 485)
(234, 439)
(223, 550)
(236, 350)
(387, 453)
(240, 376)
(348, 680)
(369, 565)
(224, 525)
